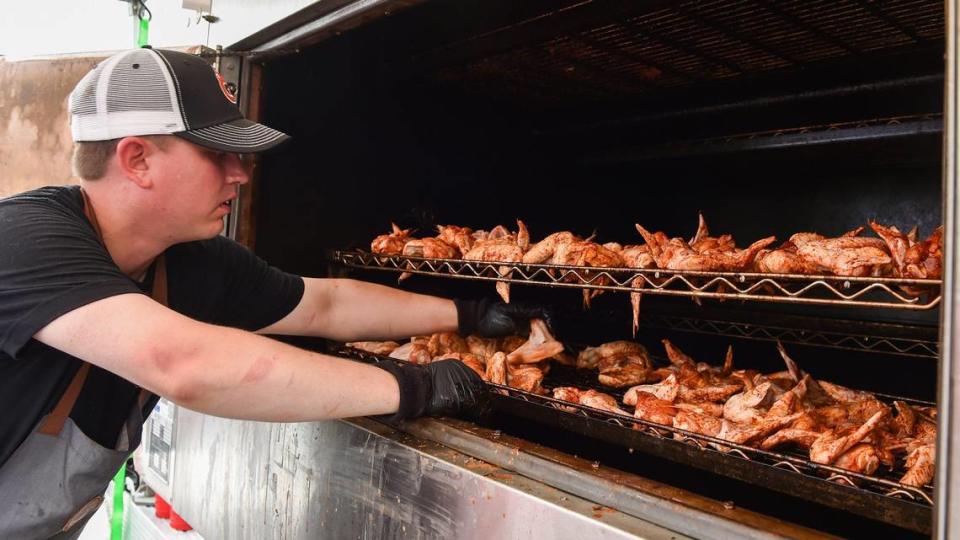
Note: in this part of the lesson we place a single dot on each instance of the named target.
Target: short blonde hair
(90, 158)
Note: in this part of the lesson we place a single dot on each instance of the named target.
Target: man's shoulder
(64, 197)
(213, 251)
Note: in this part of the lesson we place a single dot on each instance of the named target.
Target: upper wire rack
(785, 288)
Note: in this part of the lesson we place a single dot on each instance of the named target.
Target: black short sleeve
(222, 282)
(51, 263)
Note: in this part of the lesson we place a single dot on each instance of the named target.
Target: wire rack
(880, 495)
(901, 346)
(838, 132)
(784, 288)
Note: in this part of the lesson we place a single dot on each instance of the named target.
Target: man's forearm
(246, 376)
(356, 310)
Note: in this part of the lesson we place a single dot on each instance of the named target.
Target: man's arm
(351, 310)
(218, 370)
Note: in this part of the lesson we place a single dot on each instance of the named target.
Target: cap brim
(242, 136)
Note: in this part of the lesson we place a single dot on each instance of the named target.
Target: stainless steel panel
(236, 479)
(947, 482)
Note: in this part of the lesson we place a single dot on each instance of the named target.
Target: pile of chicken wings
(890, 254)
(835, 425)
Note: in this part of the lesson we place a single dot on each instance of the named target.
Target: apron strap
(53, 424)
(55, 420)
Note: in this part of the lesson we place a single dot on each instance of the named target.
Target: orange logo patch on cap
(223, 87)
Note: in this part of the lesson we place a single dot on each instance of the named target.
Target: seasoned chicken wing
(539, 346)
(921, 466)
(375, 347)
(591, 357)
(844, 256)
(496, 369)
(501, 246)
(391, 244)
(459, 237)
(676, 254)
(832, 443)
(625, 371)
(701, 424)
(599, 400)
(652, 409)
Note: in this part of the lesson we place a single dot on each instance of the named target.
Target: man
(123, 288)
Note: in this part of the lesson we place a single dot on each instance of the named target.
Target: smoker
(591, 116)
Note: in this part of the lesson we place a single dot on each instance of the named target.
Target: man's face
(197, 188)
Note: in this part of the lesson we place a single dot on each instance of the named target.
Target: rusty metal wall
(35, 141)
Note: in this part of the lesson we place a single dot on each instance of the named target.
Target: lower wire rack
(878, 496)
(897, 293)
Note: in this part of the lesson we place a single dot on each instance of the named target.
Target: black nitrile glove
(493, 318)
(444, 388)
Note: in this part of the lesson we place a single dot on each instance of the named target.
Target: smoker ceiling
(598, 50)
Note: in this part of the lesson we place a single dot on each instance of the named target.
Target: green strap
(143, 36)
(116, 519)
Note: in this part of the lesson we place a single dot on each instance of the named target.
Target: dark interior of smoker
(591, 117)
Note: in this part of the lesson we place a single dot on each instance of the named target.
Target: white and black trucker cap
(162, 92)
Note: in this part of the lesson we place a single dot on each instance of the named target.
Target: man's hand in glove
(444, 388)
(493, 318)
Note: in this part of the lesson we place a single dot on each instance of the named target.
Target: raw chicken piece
(703, 407)
(429, 248)
(390, 244)
(567, 393)
(701, 424)
(844, 394)
(543, 251)
(666, 390)
(625, 371)
(862, 458)
(803, 438)
(751, 407)
(496, 371)
(653, 409)
(414, 352)
(786, 260)
(539, 346)
(501, 246)
(913, 259)
(599, 400)
(831, 444)
(591, 357)
(921, 466)
(526, 377)
(446, 342)
(703, 243)
(586, 253)
(906, 420)
(676, 254)
(843, 256)
(471, 360)
(482, 347)
(459, 237)
(707, 393)
(375, 347)
(748, 433)
(636, 257)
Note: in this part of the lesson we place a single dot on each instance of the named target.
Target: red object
(161, 508)
(177, 523)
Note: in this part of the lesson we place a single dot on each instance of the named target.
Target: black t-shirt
(51, 262)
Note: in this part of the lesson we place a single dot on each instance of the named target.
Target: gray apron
(56, 478)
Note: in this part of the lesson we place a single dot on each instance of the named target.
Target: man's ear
(134, 157)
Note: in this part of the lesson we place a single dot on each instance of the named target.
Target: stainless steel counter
(435, 479)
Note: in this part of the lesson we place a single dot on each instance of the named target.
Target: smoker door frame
(947, 479)
(947, 505)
